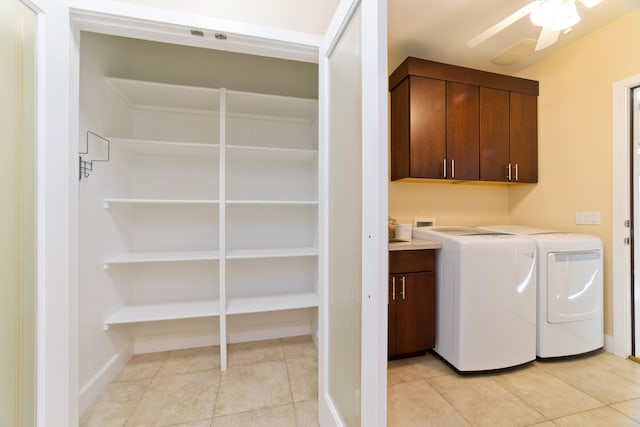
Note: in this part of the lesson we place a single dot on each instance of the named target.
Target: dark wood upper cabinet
(450, 122)
(462, 131)
(418, 108)
(494, 134)
(523, 137)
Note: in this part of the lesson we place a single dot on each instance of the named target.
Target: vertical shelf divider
(222, 234)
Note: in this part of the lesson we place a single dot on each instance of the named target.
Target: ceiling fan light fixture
(590, 3)
(567, 16)
(545, 12)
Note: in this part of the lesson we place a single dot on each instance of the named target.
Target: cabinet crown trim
(453, 73)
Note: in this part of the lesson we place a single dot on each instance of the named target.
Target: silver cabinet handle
(509, 172)
(393, 288)
(453, 168)
(444, 167)
(516, 171)
(402, 287)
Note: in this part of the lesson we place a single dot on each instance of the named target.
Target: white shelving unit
(108, 203)
(272, 303)
(167, 148)
(271, 253)
(139, 313)
(237, 172)
(150, 257)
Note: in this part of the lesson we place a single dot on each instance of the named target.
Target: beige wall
(449, 204)
(574, 114)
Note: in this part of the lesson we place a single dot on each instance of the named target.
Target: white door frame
(148, 23)
(56, 343)
(375, 234)
(621, 208)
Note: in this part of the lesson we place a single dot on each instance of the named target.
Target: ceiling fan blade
(514, 17)
(548, 36)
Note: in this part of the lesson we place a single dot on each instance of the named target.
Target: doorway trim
(621, 208)
(148, 23)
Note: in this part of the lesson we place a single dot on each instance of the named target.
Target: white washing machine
(570, 290)
(486, 294)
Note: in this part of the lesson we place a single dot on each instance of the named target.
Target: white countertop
(413, 245)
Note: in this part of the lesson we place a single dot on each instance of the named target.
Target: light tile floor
(598, 390)
(267, 383)
(274, 383)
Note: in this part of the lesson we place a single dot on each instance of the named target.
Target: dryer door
(574, 286)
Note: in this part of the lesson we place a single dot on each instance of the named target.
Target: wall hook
(86, 167)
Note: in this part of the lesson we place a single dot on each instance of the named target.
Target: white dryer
(486, 297)
(570, 290)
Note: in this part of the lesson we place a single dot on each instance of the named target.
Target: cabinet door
(415, 312)
(494, 134)
(418, 128)
(523, 136)
(427, 127)
(463, 146)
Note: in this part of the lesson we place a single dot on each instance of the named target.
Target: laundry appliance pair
(570, 290)
(507, 294)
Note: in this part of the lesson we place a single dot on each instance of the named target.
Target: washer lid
(466, 231)
(521, 230)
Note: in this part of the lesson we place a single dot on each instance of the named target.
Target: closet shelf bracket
(86, 167)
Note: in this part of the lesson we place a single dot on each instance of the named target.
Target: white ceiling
(439, 30)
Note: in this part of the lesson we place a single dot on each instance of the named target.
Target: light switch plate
(588, 218)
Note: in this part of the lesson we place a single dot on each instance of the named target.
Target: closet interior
(198, 200)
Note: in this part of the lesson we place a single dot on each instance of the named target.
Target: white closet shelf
(261, 304)
(273, 202)
(167, 148)
(271, 253)
(271, 153)
(150, 257)
(167, 311)
(257, 105)
(145, 95)
(159, 202)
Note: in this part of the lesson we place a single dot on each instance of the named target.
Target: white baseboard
(268, 333)
(99, 382)
(608, 343)
(153, 344)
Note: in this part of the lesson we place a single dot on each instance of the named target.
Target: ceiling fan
(553, 16)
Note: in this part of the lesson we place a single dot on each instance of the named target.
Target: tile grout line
(448, 402)
(286, 366)
(151, 378)
(621, 413)
(215, 402)
(575, 387)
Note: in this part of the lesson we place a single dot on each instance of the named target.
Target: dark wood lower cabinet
(412, 303)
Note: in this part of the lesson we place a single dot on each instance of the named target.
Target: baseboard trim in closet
(154, 344)
(268, 333)
(99, 382)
